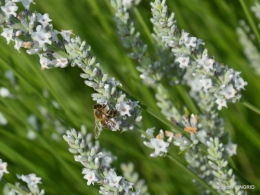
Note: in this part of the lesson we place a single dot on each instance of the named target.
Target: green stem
(251, 107)
(99, 15)
(144, 25)
(188, 100)
(250, 20)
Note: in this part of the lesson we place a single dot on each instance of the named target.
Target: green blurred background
(213, 21)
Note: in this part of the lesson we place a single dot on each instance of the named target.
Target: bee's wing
(97, 129)
(109, 124)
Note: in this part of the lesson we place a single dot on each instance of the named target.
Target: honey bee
(103, 118)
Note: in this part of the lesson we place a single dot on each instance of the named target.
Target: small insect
(103, 115)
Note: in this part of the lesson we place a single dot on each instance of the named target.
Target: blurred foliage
(213, 21)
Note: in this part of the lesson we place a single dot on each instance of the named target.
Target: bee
(103, 115)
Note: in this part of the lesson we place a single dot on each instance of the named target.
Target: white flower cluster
(223, 175)
(31, 180)
(157, 143)
(97, 165)
(3, 168)
(208, 124)
(166, 106)
(210, 82)
(34, 32)
(38, 37)
(151, 71)
(256, 9)
(130, 175)
(210, 76)
(197, 163)
(130, 3)
(162, 146)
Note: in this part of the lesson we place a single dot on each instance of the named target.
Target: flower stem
(251, 107)
(250, 20)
